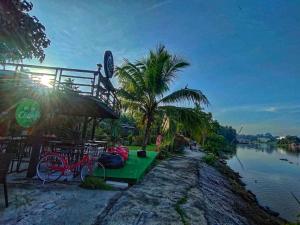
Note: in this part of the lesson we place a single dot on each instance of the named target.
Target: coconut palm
(145, 86)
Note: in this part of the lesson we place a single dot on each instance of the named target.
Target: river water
(272, 180)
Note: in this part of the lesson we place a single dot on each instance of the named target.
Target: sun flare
(46, 80)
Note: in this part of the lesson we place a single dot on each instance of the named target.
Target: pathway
(53, 204)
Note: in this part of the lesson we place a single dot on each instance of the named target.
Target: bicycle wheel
(87, 170)
(50, 168)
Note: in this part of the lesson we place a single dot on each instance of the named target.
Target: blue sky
(244, 55)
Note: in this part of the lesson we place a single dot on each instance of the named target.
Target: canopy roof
(95, 99)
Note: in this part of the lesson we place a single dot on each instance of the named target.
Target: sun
(46, 80)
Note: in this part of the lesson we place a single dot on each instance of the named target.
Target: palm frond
(174, 65)
(132, 106)
(186, 94)
(187, 116)
(136, 71)
(160, 69)
(123, 94)
(127, 79)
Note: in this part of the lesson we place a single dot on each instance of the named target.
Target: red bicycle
(54, 165)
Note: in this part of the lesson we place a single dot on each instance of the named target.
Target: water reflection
(272, 174)
(268, 148)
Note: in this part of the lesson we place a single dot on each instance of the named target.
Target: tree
(21, 35)
(228, 133)
(144, 85)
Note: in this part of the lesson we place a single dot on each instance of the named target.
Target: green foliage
(180, 211)
(137, 140)
(130, 139)
(228, 133)
(22, 35)
(164, 154)
(215, 143)
(145, 83)
(136, 147)
(289, 140)
(210, 158)
(91, 182)
(101, 134)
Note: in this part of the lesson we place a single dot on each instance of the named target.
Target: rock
(270, 211)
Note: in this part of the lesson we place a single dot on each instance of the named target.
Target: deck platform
(134, 169)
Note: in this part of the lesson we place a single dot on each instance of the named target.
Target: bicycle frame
(86, 160)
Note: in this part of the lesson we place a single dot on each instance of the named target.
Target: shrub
(130, 139)
(91, 182)
(137, 140)
(215, 143)
(210, 158)
(164, 154)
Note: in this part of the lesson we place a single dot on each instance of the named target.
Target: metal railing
(84, 82)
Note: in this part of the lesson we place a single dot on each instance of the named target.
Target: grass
(134, 169)
(95, 183)
(180, 211)
(151, 147)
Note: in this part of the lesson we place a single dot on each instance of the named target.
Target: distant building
(263, 139)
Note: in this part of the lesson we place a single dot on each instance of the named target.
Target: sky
(244, 55)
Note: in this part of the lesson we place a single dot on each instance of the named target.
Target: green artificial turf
(148, 148)
(133, 170)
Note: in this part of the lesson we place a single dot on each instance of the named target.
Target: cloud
(287, 108)
(158, 5)
(270, 109)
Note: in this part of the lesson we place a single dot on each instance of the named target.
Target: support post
(94, 128)
(84, 129)
(35, 155)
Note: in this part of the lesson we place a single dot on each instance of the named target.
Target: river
(272, 180)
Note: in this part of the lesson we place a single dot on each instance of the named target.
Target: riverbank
(185, 190)
(251, 210)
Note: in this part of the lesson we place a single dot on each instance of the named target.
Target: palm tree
(144, 85)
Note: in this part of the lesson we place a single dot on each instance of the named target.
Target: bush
(179, 143)
(210, 159)
(164, 154)
(215, 143)
(130, 139)
(93, 183)
(137, 140)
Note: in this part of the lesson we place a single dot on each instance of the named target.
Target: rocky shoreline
(185, 190)
(253, 210)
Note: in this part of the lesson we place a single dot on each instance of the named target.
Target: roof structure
(60, 90)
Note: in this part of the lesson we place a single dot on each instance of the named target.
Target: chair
(5, 159)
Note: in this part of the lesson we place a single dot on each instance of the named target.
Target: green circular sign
(28, 112)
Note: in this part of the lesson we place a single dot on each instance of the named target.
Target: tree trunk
(147, 133)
